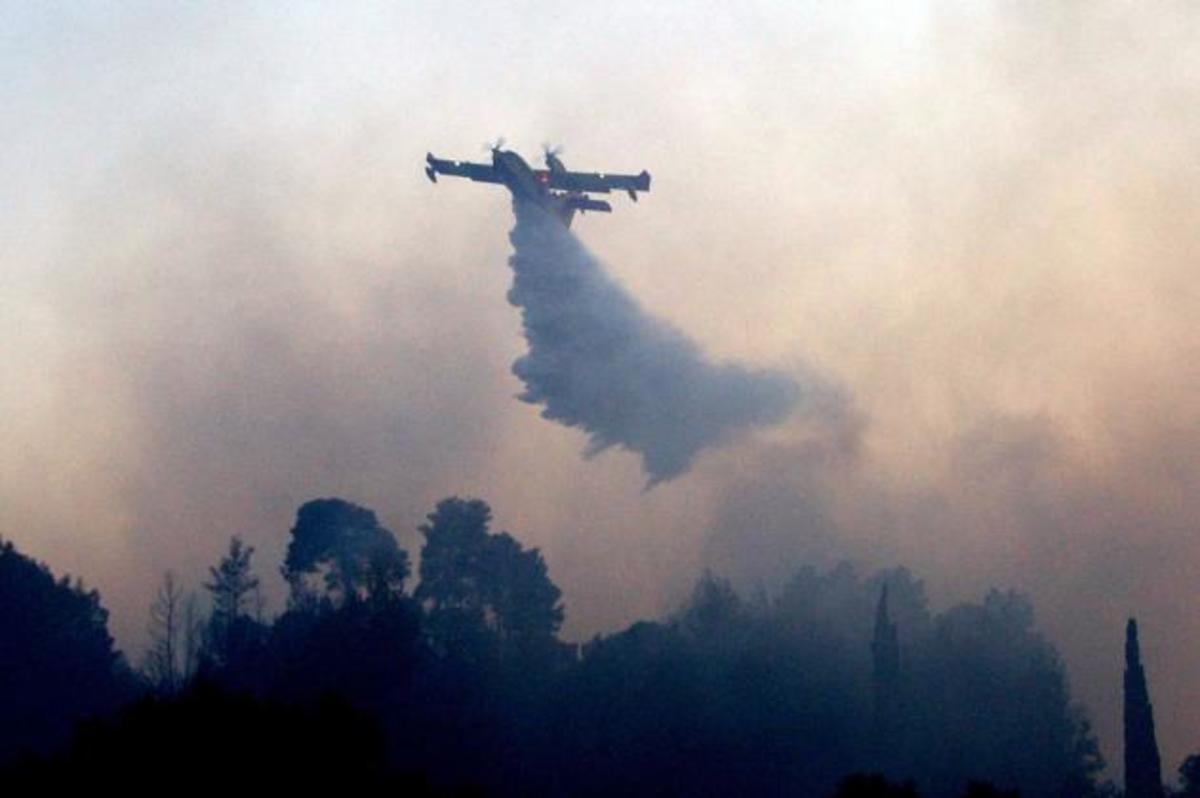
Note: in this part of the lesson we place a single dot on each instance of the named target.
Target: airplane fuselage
(519, 176)
(523, 181)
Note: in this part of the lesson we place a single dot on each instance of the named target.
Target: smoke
(599, 362)
(980, 218)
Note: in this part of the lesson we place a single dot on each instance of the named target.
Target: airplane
(554, 188)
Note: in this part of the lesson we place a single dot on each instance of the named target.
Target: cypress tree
(1143, 770)
(885, 660)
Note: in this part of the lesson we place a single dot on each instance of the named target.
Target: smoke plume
(599, 362)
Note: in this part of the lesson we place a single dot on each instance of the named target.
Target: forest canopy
(466, 682)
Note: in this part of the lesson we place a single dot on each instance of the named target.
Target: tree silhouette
(484, 593)
(357, 557)
(466, 680)
(452, 558)
(526, 608)
(232, 583)
(1143, 769)
(714, 606)
(885, 684)
(354, 634)
(233, 636)
(163, 666)
(57, 662)
(998, 705)
(1189, 777)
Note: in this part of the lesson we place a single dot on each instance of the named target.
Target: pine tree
(233, 587)
(345, 544)
(482, 591)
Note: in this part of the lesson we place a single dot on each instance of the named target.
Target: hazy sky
(226, 287)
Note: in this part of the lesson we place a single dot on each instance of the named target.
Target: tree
(714, 608)
(232, 583)
(1189, 777)
(57, 659)
(166, 627)
(526, 606)
(234, 589)
(987, 660)
(483, 590)
(1143, 769)
(354, 631)
(193, 636)
(357, 556)
(452, 578)
(885, 683)
(452, 558)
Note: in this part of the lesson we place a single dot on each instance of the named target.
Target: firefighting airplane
(554, 188)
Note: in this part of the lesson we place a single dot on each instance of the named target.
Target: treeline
(460, 683)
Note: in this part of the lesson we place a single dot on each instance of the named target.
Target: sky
(227, 288)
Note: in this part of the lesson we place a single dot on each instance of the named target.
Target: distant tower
(1143, 770)
(885, 660)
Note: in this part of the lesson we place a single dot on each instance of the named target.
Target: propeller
(550, 152)
(494, 145)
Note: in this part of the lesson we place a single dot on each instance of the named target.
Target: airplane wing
(480, 172)
(599, 182)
